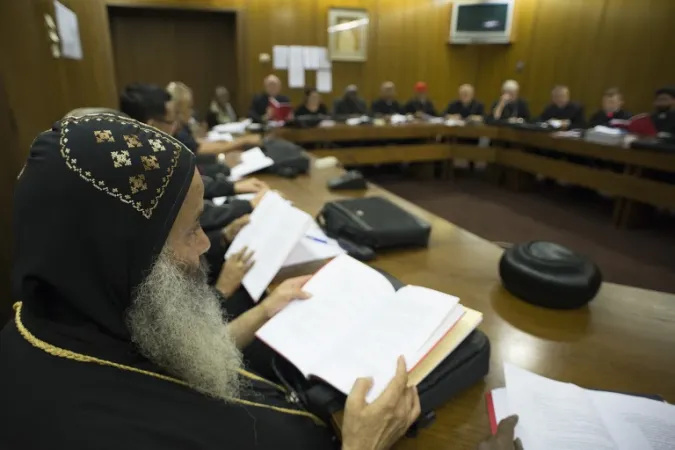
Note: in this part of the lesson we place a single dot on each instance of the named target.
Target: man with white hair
(510, 107)
(387, 104)
(260, 109)
(561, 110)
(466, 106)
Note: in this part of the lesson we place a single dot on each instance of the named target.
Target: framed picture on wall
(348, 34)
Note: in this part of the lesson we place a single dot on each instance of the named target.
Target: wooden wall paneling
(10, 133)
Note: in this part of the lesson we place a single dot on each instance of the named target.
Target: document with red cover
(280, 111)
(356, 325)
(556, 415)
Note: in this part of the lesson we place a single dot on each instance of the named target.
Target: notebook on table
(357, 325)
(556, 415)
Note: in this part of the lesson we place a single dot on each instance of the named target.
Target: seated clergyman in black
(260, 108)
(664, 114)
(612, 109)
(570, 114)
(350, 104)
(510, 107)
(466, 106)
(420, 105)
(118, 343)
(386, 105)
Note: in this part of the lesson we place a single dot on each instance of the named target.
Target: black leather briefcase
(463, 368)
(289, 159)
(374, 222)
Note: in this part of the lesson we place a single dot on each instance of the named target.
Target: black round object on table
(549, 275)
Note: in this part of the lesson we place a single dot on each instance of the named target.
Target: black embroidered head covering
(92, 210)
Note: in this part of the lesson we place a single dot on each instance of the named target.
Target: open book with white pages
(357, 325)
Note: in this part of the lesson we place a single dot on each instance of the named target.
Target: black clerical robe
(216, 217)
(382, 107)
(602, 117)
(302, 110)
(414, 106)
(259, 105)
(217, 186)
(518, 109)
(62, 403)
(573, 112)
(664, 122)
(474, 108)
(185, 136)
(349, 107)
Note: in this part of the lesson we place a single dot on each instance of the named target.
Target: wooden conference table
(623, 341)
(510, 150)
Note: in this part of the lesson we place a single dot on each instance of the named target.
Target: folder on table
(356, 325)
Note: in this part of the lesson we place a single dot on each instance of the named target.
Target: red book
(642, 125)
(280, 111)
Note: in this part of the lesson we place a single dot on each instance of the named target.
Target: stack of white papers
(215, 136)
(314, 246)
(398, 118)
(556, 415)
(252, 161)
(233, 127)
(273, 231)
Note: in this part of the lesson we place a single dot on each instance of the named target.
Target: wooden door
(162, 45)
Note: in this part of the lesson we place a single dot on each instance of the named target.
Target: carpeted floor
(576, 218)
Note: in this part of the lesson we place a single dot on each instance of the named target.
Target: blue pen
(323, 241)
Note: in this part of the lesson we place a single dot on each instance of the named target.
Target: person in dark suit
(312, 105)
(466, 106)
(664, 114)
(387, 104)
(420, 105)
(260, 108)
(612, 109)
(570, 114)
(510, 107)
(350, 104)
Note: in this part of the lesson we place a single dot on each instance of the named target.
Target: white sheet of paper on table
(324, 80)
(296, 68)
(232, 128)
(314, 246)
(280, 57)
(69, 31)
(214, 136)
(252, 161)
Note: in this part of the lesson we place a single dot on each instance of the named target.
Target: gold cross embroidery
(157, 145)
(132, 141)
(103, 136)
(150, 162)
(137, 183)
(121, 158)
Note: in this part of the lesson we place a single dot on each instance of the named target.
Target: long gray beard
(177, 323)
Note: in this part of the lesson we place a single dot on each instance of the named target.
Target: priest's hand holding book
(378, 425)
(234, 270)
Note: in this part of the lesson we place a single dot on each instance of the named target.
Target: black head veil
(92, 210)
